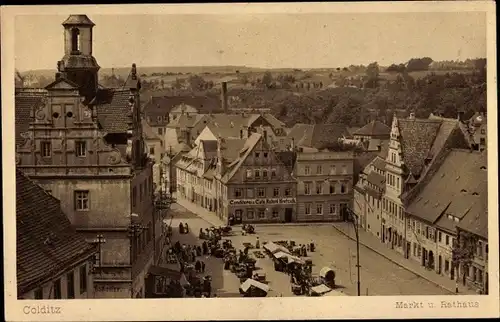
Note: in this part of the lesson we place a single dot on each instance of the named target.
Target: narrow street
(379, 276)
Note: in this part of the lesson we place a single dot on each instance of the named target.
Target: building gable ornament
(39, 112)
(115, 157)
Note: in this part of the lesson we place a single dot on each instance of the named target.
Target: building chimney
(224, 97)
(220, 159)
(188, 135)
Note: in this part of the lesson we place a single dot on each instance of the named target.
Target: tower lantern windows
(75, 40)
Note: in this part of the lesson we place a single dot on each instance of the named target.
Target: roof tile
(417, 137)
(459, 187)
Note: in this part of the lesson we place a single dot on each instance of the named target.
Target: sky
(308, 40)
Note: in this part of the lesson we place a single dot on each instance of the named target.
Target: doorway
(431, 260)
(440, 263)
(408, 250)
(238, 217)
(288, 214)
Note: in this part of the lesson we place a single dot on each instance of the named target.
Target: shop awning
(289, 257)
(335, 293)
(251, 282)
(281, 254)
(321, 289)
(273, 248)
(295, 259)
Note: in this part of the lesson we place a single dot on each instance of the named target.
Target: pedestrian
(181, 228)
(187, 228)
(202, 266)
(197, 267)
(257, 243)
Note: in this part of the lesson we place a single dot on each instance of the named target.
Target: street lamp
(99, 240)
(353, 218)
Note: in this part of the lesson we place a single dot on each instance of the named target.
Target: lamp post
(99, 240)
(353, 218)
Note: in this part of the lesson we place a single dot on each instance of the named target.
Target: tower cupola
(78, 64)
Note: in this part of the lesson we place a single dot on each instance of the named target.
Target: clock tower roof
(78, 20)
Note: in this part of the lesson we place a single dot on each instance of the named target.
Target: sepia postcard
(233, 161)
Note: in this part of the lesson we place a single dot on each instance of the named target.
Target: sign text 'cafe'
(263, 201)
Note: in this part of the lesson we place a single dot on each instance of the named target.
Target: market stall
(253, 288)
(273, 248)
(319, 290)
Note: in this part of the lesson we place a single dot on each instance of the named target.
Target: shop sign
(263, 201)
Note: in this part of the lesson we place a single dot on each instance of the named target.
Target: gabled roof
(476, 223)
(458, 187)
(47, 244)
(273, 121)
(236, 153)
(148, 132)
(448, 126)
(113, 111)
(376, 179)
(417, 137)
(62, 83)
(317, 135)
(26, 102)
(379, 163)
(374, 128)
(184, 108)
(185, 121)
(209, 145)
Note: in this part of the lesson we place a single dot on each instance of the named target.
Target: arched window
(75, 39)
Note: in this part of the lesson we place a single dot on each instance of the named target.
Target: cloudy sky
(258, 40)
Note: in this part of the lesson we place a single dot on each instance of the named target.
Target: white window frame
(82, 196)
(46, 149)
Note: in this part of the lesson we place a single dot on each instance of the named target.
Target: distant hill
(124, 71)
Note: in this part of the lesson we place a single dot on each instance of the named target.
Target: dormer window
(75, 40)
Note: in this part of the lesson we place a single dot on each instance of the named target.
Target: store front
(262, 210)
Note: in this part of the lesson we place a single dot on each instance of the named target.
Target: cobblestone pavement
(379, 276)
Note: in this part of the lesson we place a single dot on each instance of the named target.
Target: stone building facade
(415, 195)
(324, 184)
(242, 178)
(84, 144)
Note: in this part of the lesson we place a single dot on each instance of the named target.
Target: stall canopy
(251, 282)
(321, 289)
(281, 255)
(274, 248)
(326, 271)
(289, 257)
(295, 259)
(335, 293)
